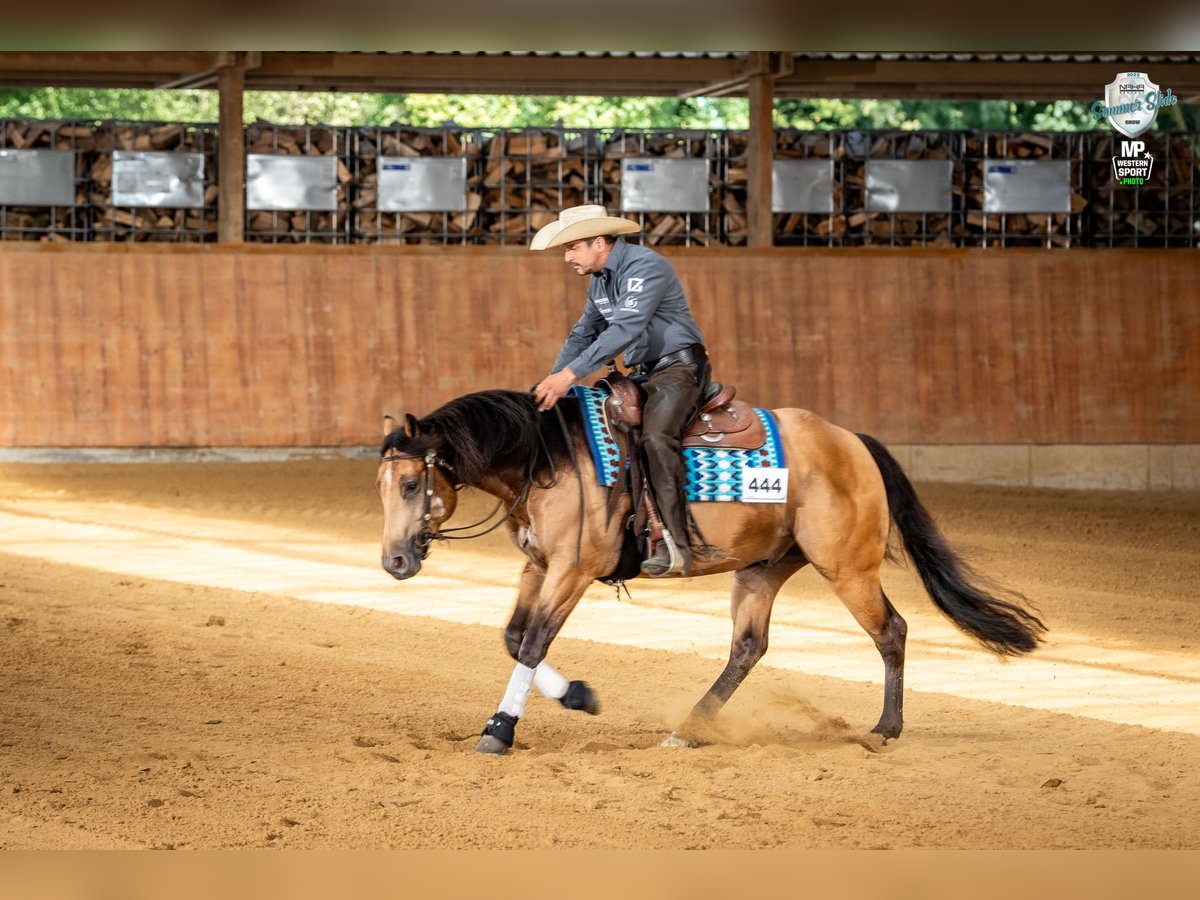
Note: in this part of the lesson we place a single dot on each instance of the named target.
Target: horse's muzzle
(401, 567)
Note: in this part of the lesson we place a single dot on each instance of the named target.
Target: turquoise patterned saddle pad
(713, 474)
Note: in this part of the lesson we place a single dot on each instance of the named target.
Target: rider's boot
(668, 558)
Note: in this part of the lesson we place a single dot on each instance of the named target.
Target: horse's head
(417, 495)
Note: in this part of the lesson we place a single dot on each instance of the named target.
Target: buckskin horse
(844, 494)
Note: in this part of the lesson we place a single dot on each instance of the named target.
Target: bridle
(427, 535)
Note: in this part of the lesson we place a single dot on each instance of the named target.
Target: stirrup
(652, 565)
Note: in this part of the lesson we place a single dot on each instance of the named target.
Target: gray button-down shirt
(636, 306)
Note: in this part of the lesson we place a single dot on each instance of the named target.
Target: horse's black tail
(1004, 626)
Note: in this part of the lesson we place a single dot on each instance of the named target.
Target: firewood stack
(666, 228)
(524, 178)
(302, 226)
(900, 229)
(1159, 213)
(128, 223)
(794, 228)
(48, 223)
(1021, 229)
(519, 180)
(373, 226)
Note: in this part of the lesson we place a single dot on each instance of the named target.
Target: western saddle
(721, 422)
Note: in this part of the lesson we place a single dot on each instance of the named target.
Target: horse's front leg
(550, 684)
(540, 621)
(528, 590)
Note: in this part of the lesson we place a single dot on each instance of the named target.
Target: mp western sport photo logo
(1131, 104)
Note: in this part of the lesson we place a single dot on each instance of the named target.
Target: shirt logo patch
(634, 285)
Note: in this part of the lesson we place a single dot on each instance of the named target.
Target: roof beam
(795, 74)
(440, 73)
(972, 79)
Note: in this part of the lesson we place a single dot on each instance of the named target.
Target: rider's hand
(552, 387)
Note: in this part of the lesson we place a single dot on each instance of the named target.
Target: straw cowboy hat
(578, 222)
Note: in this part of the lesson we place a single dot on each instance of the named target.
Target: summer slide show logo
(1131, 104)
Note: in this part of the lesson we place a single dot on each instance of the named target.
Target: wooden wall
(211, 346)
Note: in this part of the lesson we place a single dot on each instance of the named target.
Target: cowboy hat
(578, 222)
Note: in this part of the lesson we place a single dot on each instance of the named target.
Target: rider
(636, 305)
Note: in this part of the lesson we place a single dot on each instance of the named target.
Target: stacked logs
(900, 229)
(1159, 213)
(525, 178)
(1020, 229)
(667, 228)
(128, 223)
(793, 228)
(518, 181)
(48, 223)
(374, 226)
(302, 226)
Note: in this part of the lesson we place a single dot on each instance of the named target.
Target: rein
(427, 534)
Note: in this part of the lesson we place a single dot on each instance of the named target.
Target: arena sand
(207, 655)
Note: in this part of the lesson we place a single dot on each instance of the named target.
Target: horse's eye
(409, 487)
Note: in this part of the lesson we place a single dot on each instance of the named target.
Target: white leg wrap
(518, 691)
(549, 683)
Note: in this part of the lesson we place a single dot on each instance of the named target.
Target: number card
(765, 485)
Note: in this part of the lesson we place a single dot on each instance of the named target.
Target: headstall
(427, 534)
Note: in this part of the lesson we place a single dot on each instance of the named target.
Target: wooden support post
(759, 154)
(231, 152)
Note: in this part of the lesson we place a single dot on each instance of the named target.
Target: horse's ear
(389, 425)
(412, 428)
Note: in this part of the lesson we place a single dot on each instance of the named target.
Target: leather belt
(693, 355)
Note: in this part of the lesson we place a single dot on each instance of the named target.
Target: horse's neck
(500, 487)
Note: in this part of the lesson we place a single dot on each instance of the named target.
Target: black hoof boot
(580, 696)
(498, 734)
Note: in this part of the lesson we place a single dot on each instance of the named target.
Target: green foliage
(92, 104)
(1062, 115)
(500, 111)
(506, 111)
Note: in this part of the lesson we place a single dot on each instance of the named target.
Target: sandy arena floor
(208, 656)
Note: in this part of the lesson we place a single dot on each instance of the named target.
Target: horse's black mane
(490, 433)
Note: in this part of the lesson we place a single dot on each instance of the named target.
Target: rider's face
(587, 257)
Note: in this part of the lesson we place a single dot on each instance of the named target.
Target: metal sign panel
(280, 182)
(174, 180)
(909, 185)
(1027, 185)
(802, 186)
(37, 177)
(664, 185)
(422, 184)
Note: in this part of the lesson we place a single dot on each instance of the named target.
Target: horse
(845, 495)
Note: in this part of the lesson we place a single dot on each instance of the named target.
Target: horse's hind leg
(864, 597)
(753, 595)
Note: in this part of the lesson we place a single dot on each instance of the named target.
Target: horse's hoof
(886, 732)
(678, 740)
(580, 696)
(491, 746)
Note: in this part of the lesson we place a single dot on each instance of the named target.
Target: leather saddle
(722, 422)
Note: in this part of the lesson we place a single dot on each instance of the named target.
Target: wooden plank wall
(160, 346)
